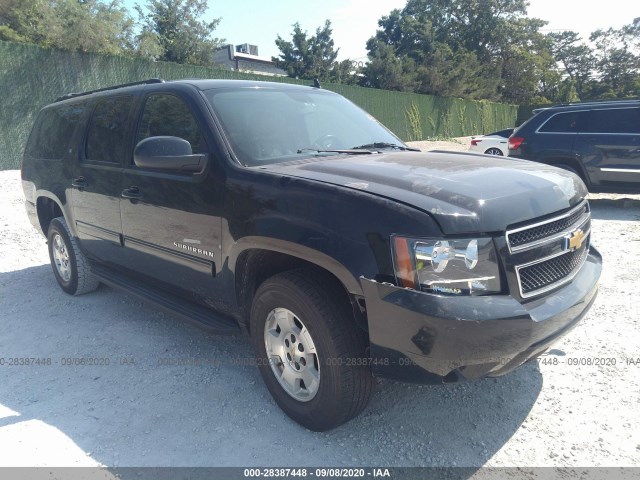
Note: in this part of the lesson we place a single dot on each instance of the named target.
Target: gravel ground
(150, 407)
(460, 144)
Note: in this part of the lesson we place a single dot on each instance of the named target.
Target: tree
(617, 59)
(406, 54)
(172, 31)
(312, 56)
(576, 58)
(469, 48)
(86, 26)
(387, 70)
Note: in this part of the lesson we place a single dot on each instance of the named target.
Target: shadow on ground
(160, 392)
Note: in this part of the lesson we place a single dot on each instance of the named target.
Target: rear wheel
(310, 352)
(70, 267)
(493, 151)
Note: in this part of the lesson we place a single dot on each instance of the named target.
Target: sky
(259, 22)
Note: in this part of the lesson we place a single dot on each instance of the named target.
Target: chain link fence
(32, 77)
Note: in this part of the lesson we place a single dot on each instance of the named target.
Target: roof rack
(597, 102)
(80, 94)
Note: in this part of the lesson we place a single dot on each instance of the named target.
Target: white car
(492, 144)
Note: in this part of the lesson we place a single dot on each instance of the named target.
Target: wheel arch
(47, 208)
(254, 260)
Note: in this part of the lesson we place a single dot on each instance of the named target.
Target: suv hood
(465, 193)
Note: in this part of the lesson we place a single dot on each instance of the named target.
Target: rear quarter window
(54, 130)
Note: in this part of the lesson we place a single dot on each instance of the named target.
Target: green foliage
(576, 58)
(389, 71)
(467, 48)
(415, 124)
(610, 70)
(34, 77)
(568, 93)
(173, 32)
(84, 26)
(617, 59)
(313, 56)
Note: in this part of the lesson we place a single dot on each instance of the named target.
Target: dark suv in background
(599, 141)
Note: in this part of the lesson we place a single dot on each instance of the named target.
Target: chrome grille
(552, 272)
(521, 237)
(560, 263)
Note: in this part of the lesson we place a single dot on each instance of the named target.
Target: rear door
(98, 176)
(170, 220)
(609, 146)
(554, 140)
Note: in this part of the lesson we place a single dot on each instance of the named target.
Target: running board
(200, 316)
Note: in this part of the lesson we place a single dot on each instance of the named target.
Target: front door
(610, 147)
(170, 220)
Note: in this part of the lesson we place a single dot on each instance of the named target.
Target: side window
(569, 122)
(106, 139)
(168, 115)
(618, 120)
(53, 131)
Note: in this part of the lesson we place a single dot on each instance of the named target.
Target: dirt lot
(150, 406)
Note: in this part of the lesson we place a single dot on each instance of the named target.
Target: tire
(304, 305)
(70, 266)
(494, 151)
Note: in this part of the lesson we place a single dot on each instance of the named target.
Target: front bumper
(426, 338)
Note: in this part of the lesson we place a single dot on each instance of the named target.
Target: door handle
(132, 193)
(78, 183)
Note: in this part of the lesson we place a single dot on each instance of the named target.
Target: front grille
(557, 263)
(548, 273)
(532, 234)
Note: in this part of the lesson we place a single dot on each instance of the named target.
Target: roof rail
(597, 102)
(114, 87)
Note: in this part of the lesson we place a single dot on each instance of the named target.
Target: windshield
(266, 125)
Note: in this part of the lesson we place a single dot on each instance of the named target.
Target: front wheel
(310, 353)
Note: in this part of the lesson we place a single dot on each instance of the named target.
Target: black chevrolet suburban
(288, 213)
(598, 141)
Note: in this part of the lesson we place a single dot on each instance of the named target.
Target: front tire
(310, 353)
(70, 266)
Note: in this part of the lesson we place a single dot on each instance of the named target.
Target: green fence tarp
(32, 77)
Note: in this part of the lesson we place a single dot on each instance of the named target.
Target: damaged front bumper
(427, 338)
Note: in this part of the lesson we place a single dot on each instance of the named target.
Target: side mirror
(168, 153)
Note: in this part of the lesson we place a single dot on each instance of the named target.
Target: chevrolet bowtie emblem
(574, 240)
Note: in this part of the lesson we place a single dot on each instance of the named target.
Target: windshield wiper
(349, 151)
(387, 145)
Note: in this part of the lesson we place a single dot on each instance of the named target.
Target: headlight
(466, 266)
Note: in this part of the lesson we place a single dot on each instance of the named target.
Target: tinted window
(168, 115)
(502, 133)
(619, 120)
(563, 123)
(53, 131)
(106, 140)
(271, 125)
